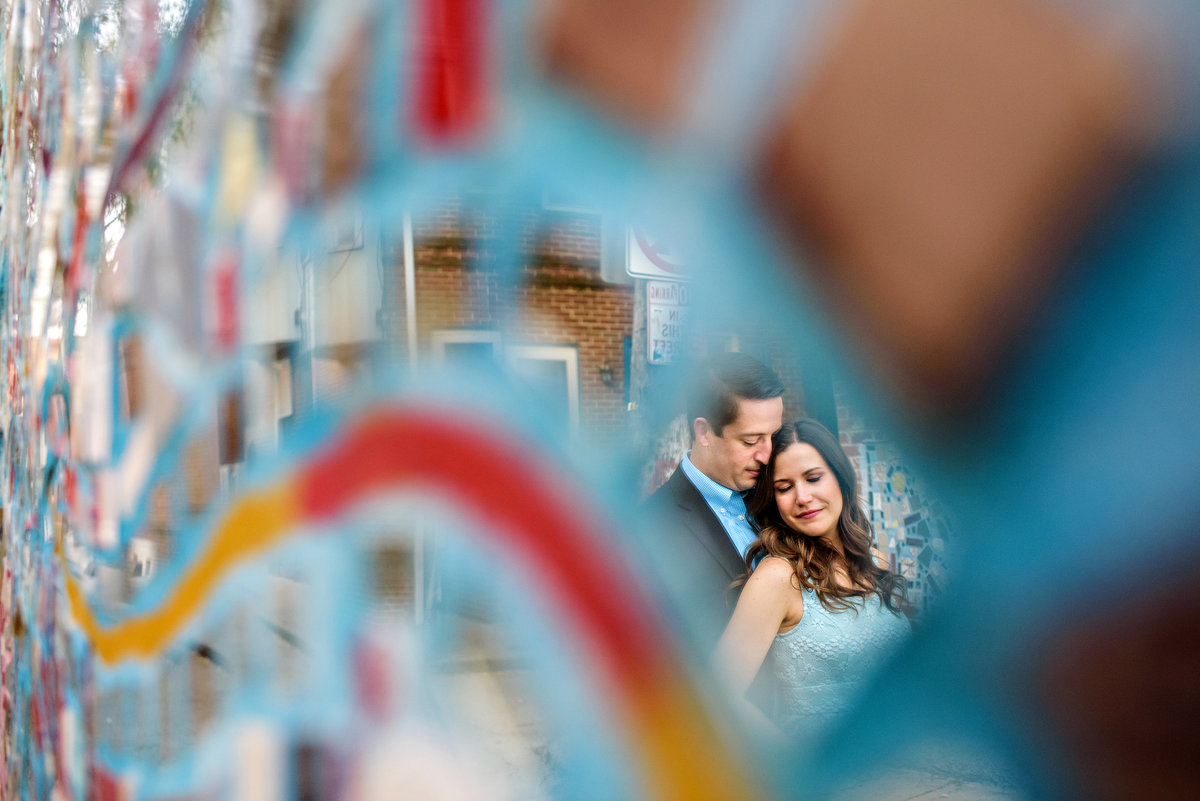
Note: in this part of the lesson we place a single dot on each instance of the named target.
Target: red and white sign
(649, 258)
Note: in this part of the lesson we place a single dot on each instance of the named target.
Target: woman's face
(807, 492)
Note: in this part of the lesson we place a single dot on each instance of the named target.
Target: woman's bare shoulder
(774, 563)
(778, 576)
(774, 569)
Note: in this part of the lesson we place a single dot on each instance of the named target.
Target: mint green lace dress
(822, 664)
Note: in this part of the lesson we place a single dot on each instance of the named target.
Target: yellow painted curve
(257, 522)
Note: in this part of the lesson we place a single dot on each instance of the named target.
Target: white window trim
(569, 355)
(439, 338)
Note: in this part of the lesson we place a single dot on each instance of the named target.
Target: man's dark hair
(726, 378)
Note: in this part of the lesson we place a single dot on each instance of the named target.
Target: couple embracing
(774, 509)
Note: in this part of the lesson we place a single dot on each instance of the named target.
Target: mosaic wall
(911, 525)
(263, 540)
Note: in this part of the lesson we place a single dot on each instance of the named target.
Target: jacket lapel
(705, 526)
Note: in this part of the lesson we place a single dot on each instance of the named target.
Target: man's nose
(763, 454)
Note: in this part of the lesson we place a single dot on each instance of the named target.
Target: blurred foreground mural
(343, 340)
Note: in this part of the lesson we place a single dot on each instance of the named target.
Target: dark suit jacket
(699, 552)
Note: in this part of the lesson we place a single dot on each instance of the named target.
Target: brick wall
(561, 299)
(789, 370)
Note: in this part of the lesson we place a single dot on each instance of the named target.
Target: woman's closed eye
(783, 487)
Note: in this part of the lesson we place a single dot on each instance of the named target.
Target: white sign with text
(666, 310)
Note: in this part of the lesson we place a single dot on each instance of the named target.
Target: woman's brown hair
(812, 559)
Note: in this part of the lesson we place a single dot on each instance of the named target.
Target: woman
(820, 606)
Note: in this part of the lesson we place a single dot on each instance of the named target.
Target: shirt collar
(713, 493)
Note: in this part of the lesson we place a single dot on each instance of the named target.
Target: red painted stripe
(451, 87)
(492, 479)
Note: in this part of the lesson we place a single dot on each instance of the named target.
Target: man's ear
(702, 431)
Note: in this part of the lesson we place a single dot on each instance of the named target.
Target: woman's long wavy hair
(812, 559)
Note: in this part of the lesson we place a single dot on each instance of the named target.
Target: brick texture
(560, 298)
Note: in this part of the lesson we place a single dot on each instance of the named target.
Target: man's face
(735, 457)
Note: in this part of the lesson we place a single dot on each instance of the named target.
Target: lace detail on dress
(822, 664)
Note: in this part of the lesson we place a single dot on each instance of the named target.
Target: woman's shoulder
(770, 562)
(774, 569)
(778, 576)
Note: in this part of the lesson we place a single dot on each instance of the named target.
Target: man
(734, 412)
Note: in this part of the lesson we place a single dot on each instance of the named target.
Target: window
(465, 347)
(554, 372)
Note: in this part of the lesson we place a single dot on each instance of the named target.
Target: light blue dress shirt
(727, 505)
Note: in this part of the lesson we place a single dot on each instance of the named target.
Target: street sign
(649, 258)
(666, 311)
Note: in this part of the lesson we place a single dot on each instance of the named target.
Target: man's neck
(701, 468)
